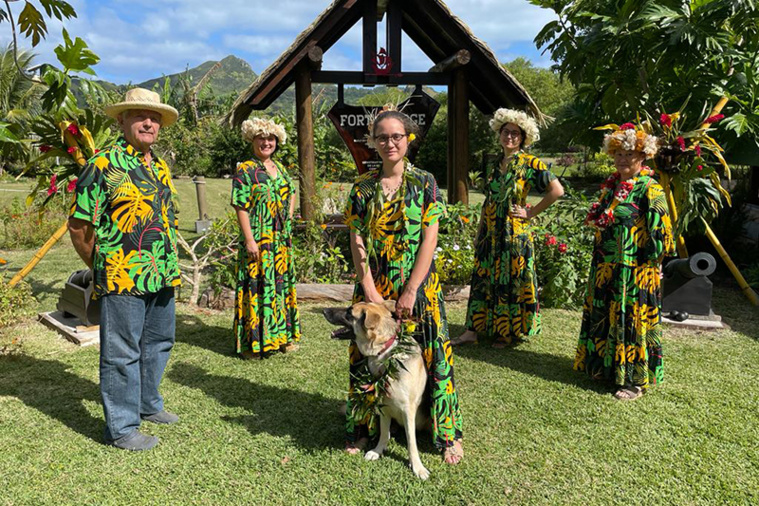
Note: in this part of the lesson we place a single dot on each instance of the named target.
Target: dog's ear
(371, 319)
(390, 305)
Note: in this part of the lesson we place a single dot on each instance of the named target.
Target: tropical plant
(627, 56)
(19, 103)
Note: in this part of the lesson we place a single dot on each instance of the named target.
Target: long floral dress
(392, 231)
(503, 301)
(266, 309)
(620, 338)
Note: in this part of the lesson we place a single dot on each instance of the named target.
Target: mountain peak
(233, 75)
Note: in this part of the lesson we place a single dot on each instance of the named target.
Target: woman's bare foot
(249, 355)
(289, 347)
(470, 336)
(352, 448)
(453, 454)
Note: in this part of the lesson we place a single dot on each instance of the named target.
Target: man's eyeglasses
(384, 139)
(511, 133)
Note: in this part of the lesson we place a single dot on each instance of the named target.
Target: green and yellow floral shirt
(129, 202)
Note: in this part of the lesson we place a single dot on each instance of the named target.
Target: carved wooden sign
(352, 123)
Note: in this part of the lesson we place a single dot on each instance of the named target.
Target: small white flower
(456, 247)
(434, 256)
(438, 249)
(450, 261)
(468, 246)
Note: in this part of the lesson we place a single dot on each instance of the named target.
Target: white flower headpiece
(519, 118)
(630, 138)
(252, 128)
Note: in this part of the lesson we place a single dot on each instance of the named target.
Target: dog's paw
(372, 455)
(421, 472)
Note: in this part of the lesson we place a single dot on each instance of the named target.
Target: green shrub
(30, 227)
(563, 248)
(16, 302)
(454, 256)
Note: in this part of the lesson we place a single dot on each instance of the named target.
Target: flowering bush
(454, 256)
(563, 247)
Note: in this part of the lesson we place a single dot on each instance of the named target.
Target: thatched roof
(429, 23)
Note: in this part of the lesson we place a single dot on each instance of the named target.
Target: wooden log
(306, 157)
(458, 137)
(393, 34)
(315, 57)
(369, 40)
(458, 59)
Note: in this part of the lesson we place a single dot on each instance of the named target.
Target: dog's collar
(388, 344)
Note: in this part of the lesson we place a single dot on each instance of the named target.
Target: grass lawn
(270, 432)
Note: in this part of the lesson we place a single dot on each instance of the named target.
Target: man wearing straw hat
(123, 225)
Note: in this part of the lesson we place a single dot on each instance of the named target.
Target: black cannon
(76, 298)
(686, 287)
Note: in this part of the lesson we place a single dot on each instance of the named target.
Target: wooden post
(306, 158)
(393, 34)
(458, 137)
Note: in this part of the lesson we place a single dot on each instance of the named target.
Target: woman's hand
(374, 296)
(252, 248)
(517, 211)
(405, 304)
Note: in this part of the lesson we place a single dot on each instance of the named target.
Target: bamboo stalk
(747, 291)
(40, 253)
(682, 250)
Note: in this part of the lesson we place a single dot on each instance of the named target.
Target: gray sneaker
(161, 417)
(135, 441)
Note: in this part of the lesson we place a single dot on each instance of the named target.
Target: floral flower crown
(519, 118)
(631, 138)
(252, 128)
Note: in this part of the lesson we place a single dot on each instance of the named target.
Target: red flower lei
(602, 218)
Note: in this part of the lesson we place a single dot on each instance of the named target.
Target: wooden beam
(370, 35)
(456, 60)
(458, 137)
(306, 158)
(393, 34)
(342, 77)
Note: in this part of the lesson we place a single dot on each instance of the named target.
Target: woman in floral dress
(266, 310)
(620, 339)
(393, 216)
(503, 301)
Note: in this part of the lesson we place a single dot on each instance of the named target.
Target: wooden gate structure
(463, 62)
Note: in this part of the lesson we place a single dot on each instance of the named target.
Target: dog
(375, 331)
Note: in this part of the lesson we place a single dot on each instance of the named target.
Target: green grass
(270, 432)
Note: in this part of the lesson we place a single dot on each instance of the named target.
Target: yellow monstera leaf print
(131, 206)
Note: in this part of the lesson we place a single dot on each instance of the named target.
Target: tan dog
(375, 330)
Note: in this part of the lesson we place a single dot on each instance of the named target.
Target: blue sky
(141, 39)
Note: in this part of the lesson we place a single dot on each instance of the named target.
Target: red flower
(627, 126)
(52, 189)
(700, 168)
(698, 150)
(562, 248)
(45, 148)
(681, 143)
(665, 120)
(72, 150)
(72, 185)
(714, 119)
(73, 129)
(551, 240)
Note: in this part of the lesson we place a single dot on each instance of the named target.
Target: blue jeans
(136, 336)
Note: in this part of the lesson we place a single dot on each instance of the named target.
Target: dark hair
(408, 124)
(522, 133)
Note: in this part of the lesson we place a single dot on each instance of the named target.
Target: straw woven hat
(142, 99)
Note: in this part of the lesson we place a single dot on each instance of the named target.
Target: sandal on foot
(460, 342)
(628, 393)
(289, 347)
(452, 455)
